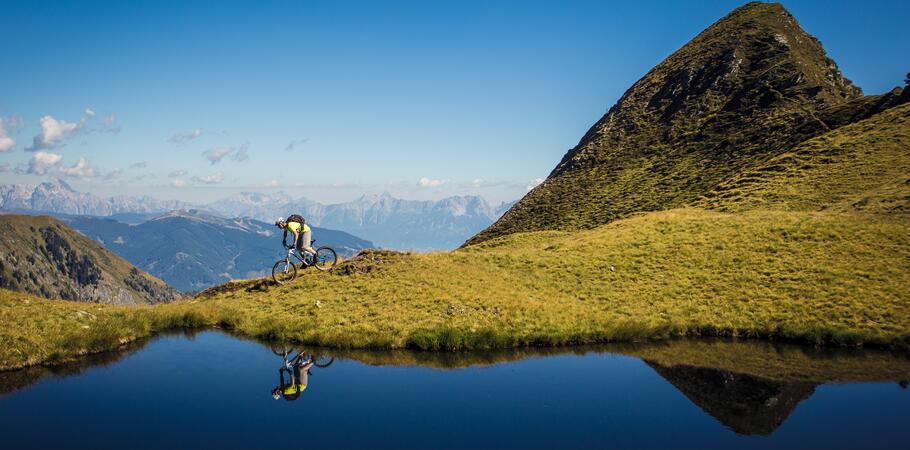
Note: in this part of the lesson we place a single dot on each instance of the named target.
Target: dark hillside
(42, 256)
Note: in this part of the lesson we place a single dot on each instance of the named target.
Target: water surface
(211, 390)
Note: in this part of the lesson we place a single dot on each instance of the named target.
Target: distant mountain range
(383, 219)
(42, 256)
(57, 196)
(387, 221)
(192, 250)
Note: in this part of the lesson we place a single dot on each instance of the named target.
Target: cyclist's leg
(299, 244)
(305, 239)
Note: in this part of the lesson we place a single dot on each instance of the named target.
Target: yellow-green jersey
(298, 228)
(294, 389)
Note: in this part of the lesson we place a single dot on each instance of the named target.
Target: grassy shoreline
(829, 279)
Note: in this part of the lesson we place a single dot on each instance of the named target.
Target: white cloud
(215, 155)
(534, 183)
(79, 170)
(182, 138)
(52, 132)
(273, 183)
(178, 183)
(210, 179)
(6, 143)
(177, 174)
(428, 183)
(7, 123)
(83, 170)
(41, 162)
(89, 112)
(478, 182)
(109, 119)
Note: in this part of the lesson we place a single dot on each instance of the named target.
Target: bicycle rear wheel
(284, 271)
(326, 258)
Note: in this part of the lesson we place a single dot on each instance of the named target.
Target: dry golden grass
(821, 278)
(815, 277)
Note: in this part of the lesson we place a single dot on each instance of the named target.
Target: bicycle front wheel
(284, 271)
(281, 350)
(326, 258)
(323, 361)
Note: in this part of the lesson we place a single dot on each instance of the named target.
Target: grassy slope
(820, 277)
(36, 330)
(861, 167)
(810, 276)
(801, 271)
(817, 264)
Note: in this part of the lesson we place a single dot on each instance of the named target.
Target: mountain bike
(285, 270)
(320, 361)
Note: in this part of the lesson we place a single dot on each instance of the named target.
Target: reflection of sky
(214, 392)
(474, 97)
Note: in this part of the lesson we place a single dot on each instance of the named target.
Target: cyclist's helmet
(280, 223)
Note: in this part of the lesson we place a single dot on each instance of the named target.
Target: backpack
(295, 218)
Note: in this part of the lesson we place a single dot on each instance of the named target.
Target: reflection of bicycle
(293, 376)
(285, 270)
(320, 361)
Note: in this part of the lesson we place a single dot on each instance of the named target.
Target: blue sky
(330, 100)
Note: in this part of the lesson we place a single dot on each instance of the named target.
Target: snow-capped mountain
(56, 196)
(385, 220)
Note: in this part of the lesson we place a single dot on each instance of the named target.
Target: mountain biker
(299, 379)
(302, 233)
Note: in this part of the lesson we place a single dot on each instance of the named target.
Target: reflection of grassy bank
(823, 278)
(771, 361)
(780, 362)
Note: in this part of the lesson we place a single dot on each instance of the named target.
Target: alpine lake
(210, 389)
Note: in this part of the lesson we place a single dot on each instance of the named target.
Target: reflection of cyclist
(291, 382)
(302, 232)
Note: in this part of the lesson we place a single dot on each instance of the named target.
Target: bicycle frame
(290, 362)
(291, 252)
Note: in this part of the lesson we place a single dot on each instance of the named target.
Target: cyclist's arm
(284, 239)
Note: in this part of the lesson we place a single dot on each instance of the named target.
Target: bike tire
(325, 258)
(283, 351)
(323, 361)
(284, 272)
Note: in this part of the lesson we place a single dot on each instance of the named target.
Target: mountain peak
(56, 183)
(756, 61)
(742, 91)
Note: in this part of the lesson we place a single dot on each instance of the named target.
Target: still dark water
(212, 390)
